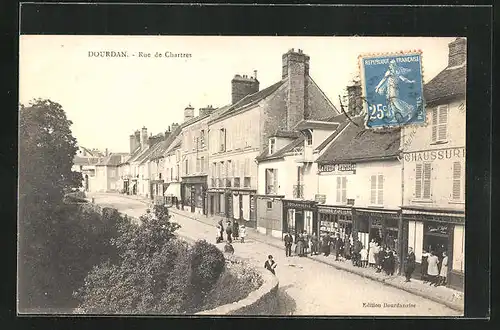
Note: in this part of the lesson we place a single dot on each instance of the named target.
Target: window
(198, 165)
(247, 182)
(272, 145)
(177, 173)
(309, 138)
(202, 164)
(186, 170)
(228, 169)
(423, 181)
(341, 189)
(202, 138)
(222, 139)
(457, 191)
(377, 189)
(222, 169)
(195, 143)
(236, 182)
(440, 123)
(271, 181)
(171, 173)
(269, 205)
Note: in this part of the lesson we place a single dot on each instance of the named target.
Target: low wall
(263, 301)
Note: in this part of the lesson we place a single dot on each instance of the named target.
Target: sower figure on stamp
(288, 244)
(409, 264)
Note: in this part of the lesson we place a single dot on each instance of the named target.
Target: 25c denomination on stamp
(392, 88)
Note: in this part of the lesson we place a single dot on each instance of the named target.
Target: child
(364, 257)
(243, 233)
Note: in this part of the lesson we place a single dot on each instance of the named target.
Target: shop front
(380, 225)
(156, 192)
(335, 219)
(216, 200)
(439, 232)
(193, 194)
(242, 206)
(300, 216)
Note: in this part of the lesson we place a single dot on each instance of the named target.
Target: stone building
(242, 132)
(433, 159)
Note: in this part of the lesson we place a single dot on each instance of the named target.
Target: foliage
(236, 283)
(154, 273)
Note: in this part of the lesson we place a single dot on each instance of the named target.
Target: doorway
(299, 222)
(241, 206)
(193, 199)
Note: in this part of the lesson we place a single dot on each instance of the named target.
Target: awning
(173, 189)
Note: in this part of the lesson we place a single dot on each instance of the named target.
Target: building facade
(433, 158)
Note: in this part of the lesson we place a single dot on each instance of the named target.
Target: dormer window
(309, 138)
(272, 145)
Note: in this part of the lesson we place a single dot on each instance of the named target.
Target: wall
(441, 156)
(192, 151)
(320, 106)
(358, 186)
(263, 301)
(270, 219)
(113, 179)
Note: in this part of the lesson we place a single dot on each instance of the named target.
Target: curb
(448, 304)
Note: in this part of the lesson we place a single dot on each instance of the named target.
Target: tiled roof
(449, 82)
(164, 145)
(357, 143)
(249, 99)
(280, 153)
(111, 160)
(145, 156)
(85, 160)
(135, 154)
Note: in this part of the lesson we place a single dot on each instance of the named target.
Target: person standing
(371, 253)
(243, 233)
(432, 269)
(443, 273)
(300, 245)
(338, 247)
(409, 264)
(424, 277)
(217, 234)
(288, 244)
(357, 247)
(381, 259)
(229, 232)
(221, 228)
(270, 264)
(364, 257)
(236, 228)
(314, 244)
(325, 246)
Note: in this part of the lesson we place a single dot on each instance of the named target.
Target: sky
(107, 99)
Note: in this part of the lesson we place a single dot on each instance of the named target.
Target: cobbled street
(307, 287)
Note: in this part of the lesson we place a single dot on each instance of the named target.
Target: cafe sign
(320, 199)
(298, 205)
(331, 210)
(337, 168)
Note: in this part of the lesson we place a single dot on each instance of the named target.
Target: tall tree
(46, 151)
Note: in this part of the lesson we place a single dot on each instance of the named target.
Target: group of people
(233, 231)
(304, 244)
(434, 269)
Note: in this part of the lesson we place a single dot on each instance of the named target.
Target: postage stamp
(392, 88)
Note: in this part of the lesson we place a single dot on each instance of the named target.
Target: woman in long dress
(371, 253)
(300, 245)
(397, 109)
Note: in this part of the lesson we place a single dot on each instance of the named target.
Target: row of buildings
(285, 159)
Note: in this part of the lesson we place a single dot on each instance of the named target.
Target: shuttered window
(377, 189)
(380, 190)
(344, 189)
(440, 123)
(373, 189)
(339, 185)
(457, 181)
(275, 180)
(423, 181)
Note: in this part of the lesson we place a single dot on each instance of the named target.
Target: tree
(46, 151)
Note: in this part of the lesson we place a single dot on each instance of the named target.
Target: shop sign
(298, 205)
(331, 210)
(376, 222)
(431, 155)
(321, 199)
(337, 168)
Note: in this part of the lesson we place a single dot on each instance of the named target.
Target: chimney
(155, 139)
(133, 143)
(174, 127)
(106, 152)
(144, 138)
(457, 54)
(242, 86)
(188, 113)
(354, 96)
(206, 110)
(295, 72)
(167, 133)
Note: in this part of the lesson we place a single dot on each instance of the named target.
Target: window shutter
(380, 197)
(338, 189)
(427, 181)
(457, 171)
(344, 190)
(275, 180)
(373, 189)
(418, 181)
(434, 124)
(443, 122)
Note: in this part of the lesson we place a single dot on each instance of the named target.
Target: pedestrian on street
(229, 232)
(235, 229)
(443, 273)
(221, 226)
(409, 264)
(270, 264)
(357, 247)
(228, 248)
(389, 261)
(338, 247)
(432, 269)
(288, 244)
(371, 253)
(376, 251)
(424, 265)
(314, 244)
(243, 233)
(364, 257)
(306, 242)
(326, 245)
(300, 245)
(347, 248)
(381, 258)
(217, 234)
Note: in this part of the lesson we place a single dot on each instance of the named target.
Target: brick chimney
(242, 86)
(354, 96)
(144, 138)
(155, 139)
(133, 143)
(188, 113)
(457, 54)
(295, 70)
(174, 127)
(206, 110)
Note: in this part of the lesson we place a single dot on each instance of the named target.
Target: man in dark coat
(288, 244)
(381, 258)
(325, 246)
(221, 225)
(357, 247)
(409, 264)
(229, 232)
(338, 247)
